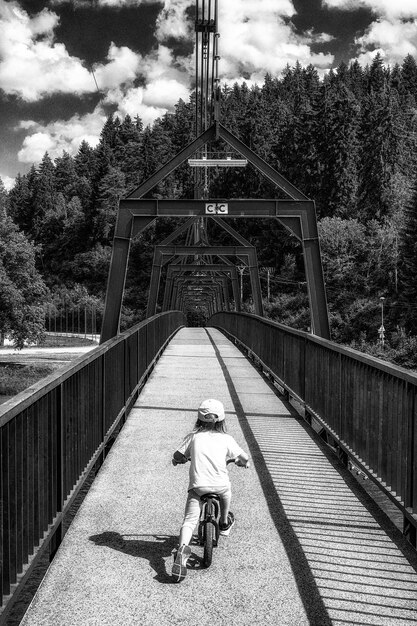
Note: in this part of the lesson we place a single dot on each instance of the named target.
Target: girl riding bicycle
(208, 447)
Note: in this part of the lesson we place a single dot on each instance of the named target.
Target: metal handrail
(366, 405)
(53, 433)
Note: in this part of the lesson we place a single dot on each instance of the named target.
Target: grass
(56, 341)
(15, 378)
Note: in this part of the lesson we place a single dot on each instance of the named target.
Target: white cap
(211, 407)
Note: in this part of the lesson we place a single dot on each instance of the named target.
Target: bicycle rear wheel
(209, 533)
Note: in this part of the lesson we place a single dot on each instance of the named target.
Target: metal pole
(241, 269)
(382, 329)
(267, 283)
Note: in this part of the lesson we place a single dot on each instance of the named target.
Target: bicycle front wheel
(209, 532)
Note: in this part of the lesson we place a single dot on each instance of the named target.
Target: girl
(208, 447)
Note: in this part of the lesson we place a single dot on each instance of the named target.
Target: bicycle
(209, 522)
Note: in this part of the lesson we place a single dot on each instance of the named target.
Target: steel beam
(190, 270)
(297, 215)
(165, 170)
(244, 252)
(198, 208)
(219, 283)
(117, 279)
(261, 165)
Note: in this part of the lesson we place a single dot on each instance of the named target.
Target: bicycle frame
(208, 527)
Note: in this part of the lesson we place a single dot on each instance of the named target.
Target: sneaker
(179, 567)
(226, 528)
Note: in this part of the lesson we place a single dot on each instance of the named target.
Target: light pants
(193, 507)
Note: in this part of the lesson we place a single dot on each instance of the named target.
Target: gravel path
(307, 547)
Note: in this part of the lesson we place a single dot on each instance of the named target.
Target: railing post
(59, 498)
(104, 406)
(409, 529)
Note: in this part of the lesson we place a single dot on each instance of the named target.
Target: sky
(66, 64)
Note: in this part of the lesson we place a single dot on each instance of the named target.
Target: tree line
(347, 140)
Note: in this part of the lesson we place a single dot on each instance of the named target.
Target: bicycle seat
(206, 496)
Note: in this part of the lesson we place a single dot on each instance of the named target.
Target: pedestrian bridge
(309, 545)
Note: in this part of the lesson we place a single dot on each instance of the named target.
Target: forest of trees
(348, 141)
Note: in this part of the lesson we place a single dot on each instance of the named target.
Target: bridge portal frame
(297, 215)
(208, 269)
(190, 285)
(247, 254)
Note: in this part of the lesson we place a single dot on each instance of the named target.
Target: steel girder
(195, 284)
(198, 235)
(212, 269)
(298, 215)
(245, 253)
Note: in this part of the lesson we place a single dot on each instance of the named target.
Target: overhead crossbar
(297, 215)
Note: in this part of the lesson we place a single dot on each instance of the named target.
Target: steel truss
(246, 254)
(197, 239)
(297, 215)
(197, 271)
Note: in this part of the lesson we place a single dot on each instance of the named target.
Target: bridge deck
(307, 547)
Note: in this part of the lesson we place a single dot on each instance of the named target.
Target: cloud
(172, 20)
(393, 34)
(58, 136)
(393, 40)
(122, 67)
(149, 102)
(33, 65)
(165, 85)
(257, 37)
(8, 182)
(259, 40)
(388, 8)
(98, 4)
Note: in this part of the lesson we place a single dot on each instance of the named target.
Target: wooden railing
(52, 434)
(366, 406)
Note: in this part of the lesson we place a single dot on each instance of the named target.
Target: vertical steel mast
(207, 88)
(136, 213)
(206, 66)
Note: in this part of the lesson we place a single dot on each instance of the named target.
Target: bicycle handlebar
(245, 465)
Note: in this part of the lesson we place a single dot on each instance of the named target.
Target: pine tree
(20, 202)
(128, 151)
(44, 196)
(111, 190)
(85, 161)
(337, 128)
(66, 177)
(380, 153)
(407, 269)
(409, 77)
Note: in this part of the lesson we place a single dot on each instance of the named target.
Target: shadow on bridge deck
(308, 546)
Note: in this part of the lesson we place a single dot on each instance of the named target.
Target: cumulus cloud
(257, 38)
(172, 20)
(148, 102)
(123, 65)
(393, 34)
(388, 8)
(103, 3)
(164, 86)
(393, 41)
(31, 63)
(8, 182)
(58, 136)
